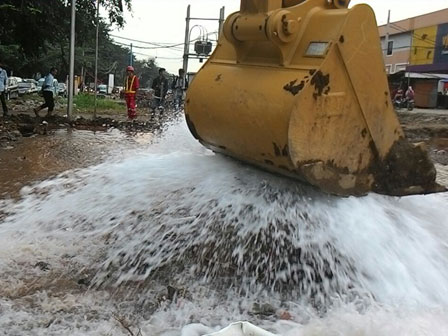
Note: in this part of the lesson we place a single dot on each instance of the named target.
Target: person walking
(160, 87)
(3, 87)
(179, 86)
(49, 90)
(130, 90)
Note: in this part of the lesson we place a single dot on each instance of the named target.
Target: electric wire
(419, 37)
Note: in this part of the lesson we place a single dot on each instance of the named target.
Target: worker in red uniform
(130, 89)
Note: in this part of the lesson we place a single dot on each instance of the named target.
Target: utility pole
(187, 54)
(72, 63)
(96, 56)
(222, 12)
(82, 67)
(131, 57)
(187, 40)
(387, 34)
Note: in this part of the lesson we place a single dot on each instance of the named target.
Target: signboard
(445, 45)
(111, 83)
(441, 56)
(429, 51)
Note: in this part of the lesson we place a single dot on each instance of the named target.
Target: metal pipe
(387, 35)
(187, 41)
(221, 18)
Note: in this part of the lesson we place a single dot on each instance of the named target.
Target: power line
(410, 47)
(146, 48)
(157, 44)
(157, 57)
(403, 30)
(169, 47)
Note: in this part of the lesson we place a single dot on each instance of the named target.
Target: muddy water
(40, 157)
(440, 143)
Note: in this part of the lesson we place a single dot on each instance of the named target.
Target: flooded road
(40, 157)
(162, 237)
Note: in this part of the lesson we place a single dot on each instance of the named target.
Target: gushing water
(93, 250)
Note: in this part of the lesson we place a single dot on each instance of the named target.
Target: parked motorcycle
(404, 103)
(399, 103)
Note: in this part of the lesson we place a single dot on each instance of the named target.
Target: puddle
(40, 157)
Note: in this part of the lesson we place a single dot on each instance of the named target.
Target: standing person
(410, 93)
(3, 87)
(130, 89)
(49, 90)
(160, 87)
(180, 85)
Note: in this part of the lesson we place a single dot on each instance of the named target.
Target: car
(102, 89)
(12, 90)
(40, 82)
(26, 88)
(33, 88)
(117, 89)
(30, 80)
(62, 90)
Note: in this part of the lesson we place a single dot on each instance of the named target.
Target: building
(418, 44)
(415, 53)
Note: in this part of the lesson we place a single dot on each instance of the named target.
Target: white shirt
(3, 80)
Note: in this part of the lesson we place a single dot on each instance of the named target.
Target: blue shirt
(50, 84)
(3, 80)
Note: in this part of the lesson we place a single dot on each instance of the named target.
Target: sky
(163, 22)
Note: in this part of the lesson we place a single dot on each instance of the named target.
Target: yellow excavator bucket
(298, 87)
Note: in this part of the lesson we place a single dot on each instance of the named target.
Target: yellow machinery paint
(298, 87)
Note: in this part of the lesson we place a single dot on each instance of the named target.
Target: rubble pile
(8, 133)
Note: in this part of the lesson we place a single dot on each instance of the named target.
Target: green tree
(36, 33)
(147, 70)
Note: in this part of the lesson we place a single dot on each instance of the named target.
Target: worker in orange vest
(130, 89)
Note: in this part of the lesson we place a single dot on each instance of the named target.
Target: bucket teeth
(406, 170)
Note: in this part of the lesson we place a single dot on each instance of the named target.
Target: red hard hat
(130, 68)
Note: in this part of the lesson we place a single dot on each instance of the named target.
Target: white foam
(390, 253)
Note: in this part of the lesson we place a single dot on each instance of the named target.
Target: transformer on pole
(203, 46)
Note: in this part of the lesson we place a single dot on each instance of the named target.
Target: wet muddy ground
(54, 287)
(429, 126)
(33, 149)
(39, 157)
(36, 148)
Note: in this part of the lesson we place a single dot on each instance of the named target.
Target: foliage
(87, 102)
(147, 70)
(36, 37)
